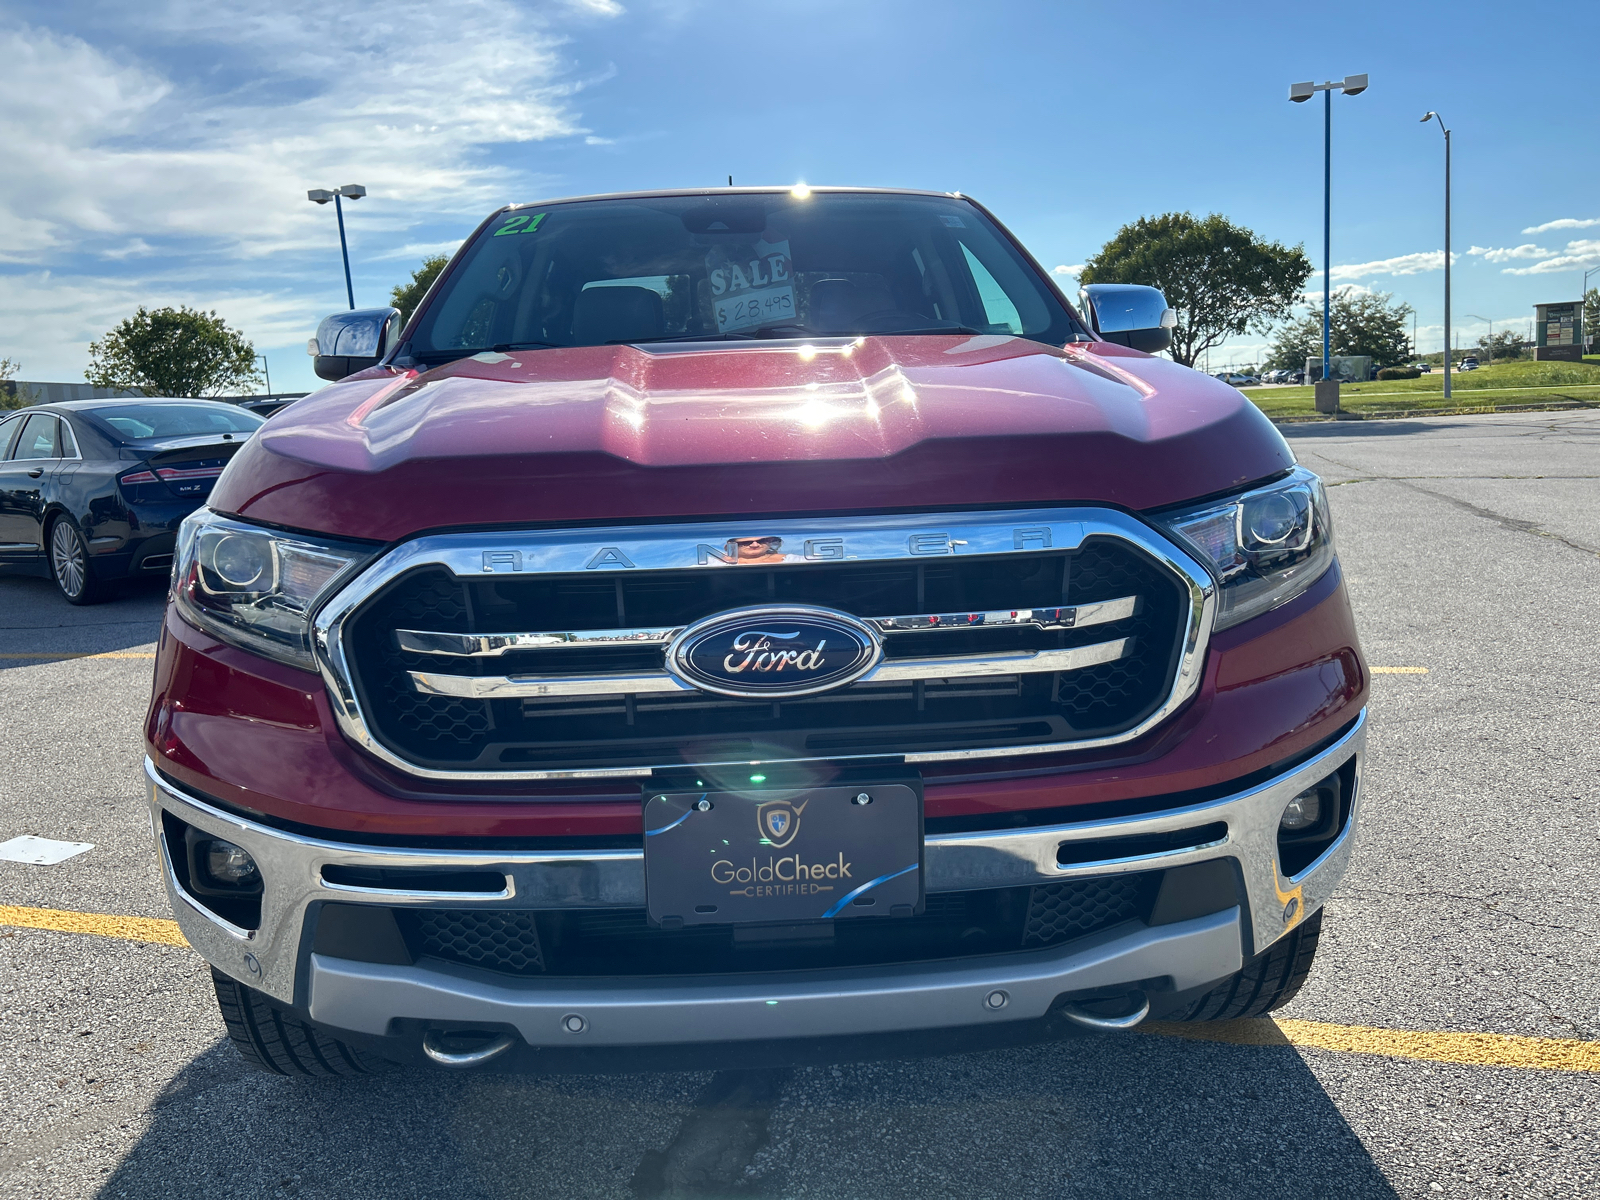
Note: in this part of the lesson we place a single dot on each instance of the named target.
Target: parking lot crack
(1515, 524)
(717, 1141)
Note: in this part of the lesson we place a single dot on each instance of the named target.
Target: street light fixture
(1426, 117)
(1476, 317)
(1351, 85)
(350, 191)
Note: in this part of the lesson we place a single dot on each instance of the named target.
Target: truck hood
(680, 430)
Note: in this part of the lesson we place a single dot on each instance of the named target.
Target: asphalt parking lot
(1472, 547)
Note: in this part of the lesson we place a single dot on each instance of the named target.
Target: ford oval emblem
(772, 653)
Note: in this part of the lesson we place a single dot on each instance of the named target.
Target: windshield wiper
(790, 329)
(506, 347)
(731, 335)
(922, 332)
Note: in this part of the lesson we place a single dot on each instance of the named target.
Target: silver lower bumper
(364, 997)
(640, 1011)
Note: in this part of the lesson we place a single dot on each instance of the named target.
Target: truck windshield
(737, 266)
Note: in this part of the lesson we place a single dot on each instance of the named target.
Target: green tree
(1505, 344)
(1220, 277)
(407, 296)
(1591, 320)
(173, 352)
(1368, 323)
(8, 390)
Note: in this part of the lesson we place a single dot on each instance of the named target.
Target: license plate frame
(812, 854)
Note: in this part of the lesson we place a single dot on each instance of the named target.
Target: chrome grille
(1020, 637)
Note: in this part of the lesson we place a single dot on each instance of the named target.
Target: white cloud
(1578, 256)
(1073, 270)
(1313, 298)
(591, 140)
(1564, 223)
(1403, 264)
(183, 173)
(137, 248)
(401, 96)
(51, 320)
(418, 250)
(1507, 254)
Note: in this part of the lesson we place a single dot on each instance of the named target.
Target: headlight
(253, 587)
(1266, 545)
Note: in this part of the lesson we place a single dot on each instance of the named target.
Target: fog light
(1304, 811)
(230, 864)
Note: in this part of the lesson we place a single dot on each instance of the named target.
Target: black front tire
(273, 1040)
(1267, 981)
(70, 567)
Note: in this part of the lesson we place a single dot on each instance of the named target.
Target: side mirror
(348, 342)
(1130, 314)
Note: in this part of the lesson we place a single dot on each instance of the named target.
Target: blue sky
(160, 153)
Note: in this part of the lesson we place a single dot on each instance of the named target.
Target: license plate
(818, 854)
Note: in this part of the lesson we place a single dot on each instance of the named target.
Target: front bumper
(276, 958)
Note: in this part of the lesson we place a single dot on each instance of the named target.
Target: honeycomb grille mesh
(1059, 912)
(610, 942)
(1113, 694)
(497, 941)
(446, 724)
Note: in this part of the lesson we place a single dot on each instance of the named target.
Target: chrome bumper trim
(365, 997)
(955, 666)
(292, 867)
(492, 645)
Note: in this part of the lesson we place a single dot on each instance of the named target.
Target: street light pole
(1299, 93)
(1327, 231)
(344, 252)
(351, 191)
(1593, 335)
(1426, 117)
(268, 369)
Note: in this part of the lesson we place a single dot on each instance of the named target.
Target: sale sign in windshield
(751, 285)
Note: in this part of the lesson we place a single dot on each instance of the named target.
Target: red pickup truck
(742, 617)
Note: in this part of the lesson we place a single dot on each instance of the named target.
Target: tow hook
(1074, 1012)
(433, 1047)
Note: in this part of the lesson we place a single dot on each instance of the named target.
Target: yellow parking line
(1399, 670)
(134, 929)
(76, 654)
(1468, 1049)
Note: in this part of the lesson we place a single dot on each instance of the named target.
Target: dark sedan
(93, 491)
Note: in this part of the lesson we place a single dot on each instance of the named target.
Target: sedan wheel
(69, 562)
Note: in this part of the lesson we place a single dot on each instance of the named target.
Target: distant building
(28, 392)
(25, 392)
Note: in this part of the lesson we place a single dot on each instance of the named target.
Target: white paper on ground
(44, 852)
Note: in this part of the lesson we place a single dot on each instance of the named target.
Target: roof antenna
(730, 180)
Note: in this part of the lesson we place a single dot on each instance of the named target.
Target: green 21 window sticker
(521, 224)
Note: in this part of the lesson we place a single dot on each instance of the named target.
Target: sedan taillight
(183, 480)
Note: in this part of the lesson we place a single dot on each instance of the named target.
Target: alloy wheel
(66, 555)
